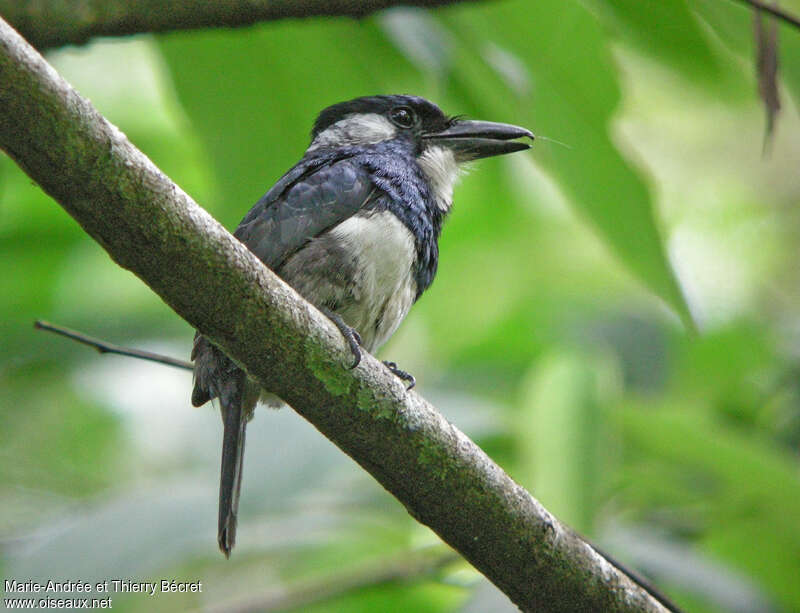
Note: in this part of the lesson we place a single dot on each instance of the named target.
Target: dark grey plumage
(353, 227)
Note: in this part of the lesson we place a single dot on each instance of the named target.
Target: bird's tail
(230, 482)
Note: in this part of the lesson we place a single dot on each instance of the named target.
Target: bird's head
(374, 119)
(440, 142)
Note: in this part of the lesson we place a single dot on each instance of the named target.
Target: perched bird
(354, 228)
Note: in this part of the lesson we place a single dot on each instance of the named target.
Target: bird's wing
(312, 197)
(308, 200)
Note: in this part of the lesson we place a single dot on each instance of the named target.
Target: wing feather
(303, 207)
(311, 198)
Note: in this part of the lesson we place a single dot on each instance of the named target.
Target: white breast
(385, 288)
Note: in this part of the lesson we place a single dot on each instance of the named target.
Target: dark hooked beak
(471, 140)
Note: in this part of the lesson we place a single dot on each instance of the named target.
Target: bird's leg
(350, 335)
(401, 374)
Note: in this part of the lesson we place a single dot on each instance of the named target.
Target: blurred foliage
(555, 334)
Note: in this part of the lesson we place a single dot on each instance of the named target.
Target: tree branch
(46, 23)
(151, 227)
(774, 10)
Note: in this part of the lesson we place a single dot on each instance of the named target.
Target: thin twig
(104, 347)
(773, 10)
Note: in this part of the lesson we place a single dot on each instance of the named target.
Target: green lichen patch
(335, 379)
(378, 405)
(430, 455)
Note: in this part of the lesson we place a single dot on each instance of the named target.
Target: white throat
(442, 171)
(355, 129)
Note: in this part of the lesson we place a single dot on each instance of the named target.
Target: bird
(353, 227)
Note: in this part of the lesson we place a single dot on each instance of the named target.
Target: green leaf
(558, 434)
(665, 29)
(572, 97)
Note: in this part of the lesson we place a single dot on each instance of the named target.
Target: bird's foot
(401, 374)
(350, 335)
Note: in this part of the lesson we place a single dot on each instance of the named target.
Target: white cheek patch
(356, 129)
(442, 171)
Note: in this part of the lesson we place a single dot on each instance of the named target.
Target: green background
(559, 333)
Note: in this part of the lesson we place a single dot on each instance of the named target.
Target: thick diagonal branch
(50, 23)
(151, 227)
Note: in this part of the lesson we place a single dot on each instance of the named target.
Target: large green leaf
(571, 96)
(669, 32)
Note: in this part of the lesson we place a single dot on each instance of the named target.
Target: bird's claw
(354, 340)
(401, 374)
(352, 337)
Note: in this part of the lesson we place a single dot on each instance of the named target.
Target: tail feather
(216, 376)
(230, 484)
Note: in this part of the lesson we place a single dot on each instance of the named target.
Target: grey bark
(54, 23)
(151, 227)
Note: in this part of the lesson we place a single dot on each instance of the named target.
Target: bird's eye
(402, 116)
